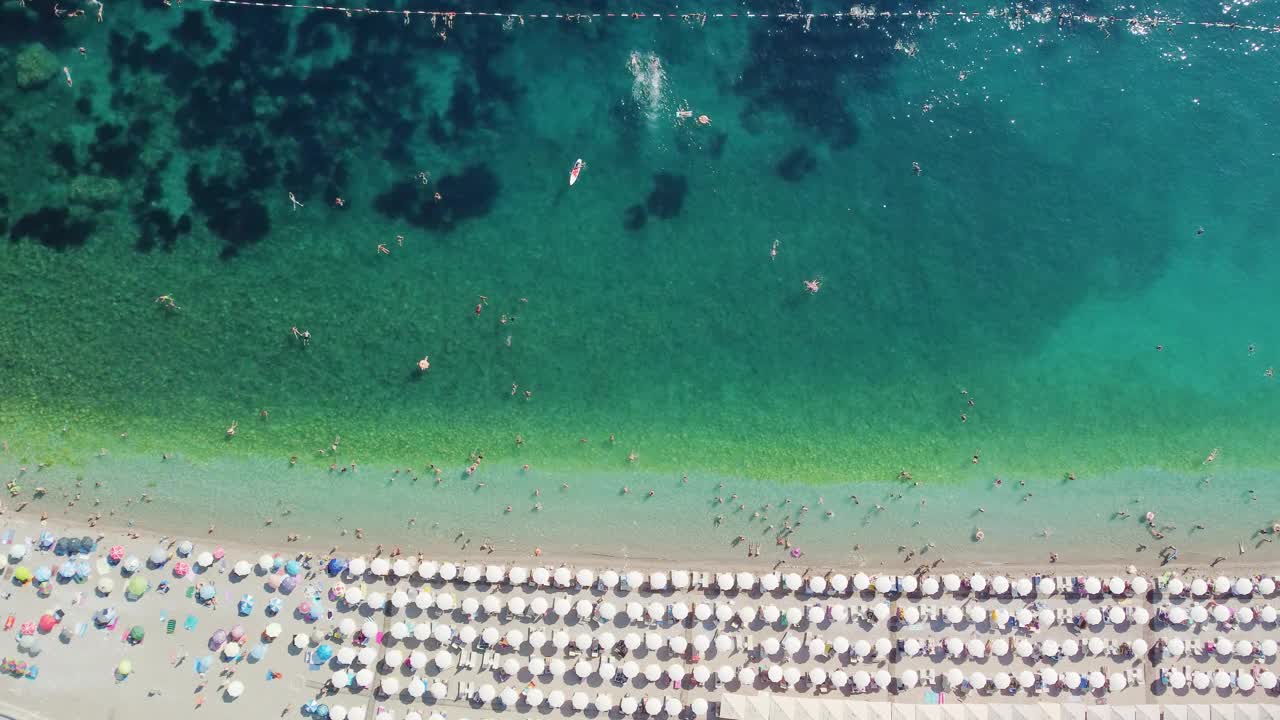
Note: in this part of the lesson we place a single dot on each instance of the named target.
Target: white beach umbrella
(533, 696)
(470, 605)
(770, 613)
(1117, 682)
(883, 584)
(562, 606)
(555, 699)
(675, 671)
(911, 615)
(652, 705)
(794, 615)
(792, 643)
(658, 581)
(930, 585)
(816, 614)
(1092, 585)
(951, 582)
(562, 576)
(390, 686)
(345, 655)
(379, 567)
(443, 660)
(977, 614)
(1221, 613)
(1116, 586)
(1244, 682)
(1175, 586)
(1267, 680)
(724, 673)
(1223, 645)
(908, 583)
(792, 581)
(1024, 648)
(376, 600)
(817, 675)
(445, 601)
(769, 582)
(630, 669)
(1001, 680)
(1140, 615)
(954, 646)
(364, 678)
(1046, 586)
(235, 689)
(791, 674)
(1139, 585)
(1244, 648)
(746, 676)
(1096, 646)
(883, 646)
(635, 579)
(537, 665)
(910, 647)
(1201, 680)
(541, 576)
(1139, 647)
(816, 646)
(607, 610)
(515, 638)
(1221, 680)
(817, 584)
(628, 705)
(472, 574)
(399, 599)
(491, 604)
(1071, 679)
(652, 672)
(603, 703)
(416, 689)
(861, 581)
(1070, 647)
(954, 614)
(1267, 614)
(1176, 616)
(1245, 615)
(881, 611)
(999, 585)
(1198, 614)
(393, 659)
(1115, 615)
(400, 631)
(976, 647)
(401, 568)
(538, 606)
(487, 693)
(367, 656)
(1049, 648)
(438, 690)
(1199, 588)
(584, 609)
(1097, 679)
(673, 706)
(678, 644)
(724, 581)
(1267, 585)
(1026, 679)
(978, 679)
(1024, 616)
(1221, 585)
(1268, 647)
(340, 678)
(909, 679)
(1093, 616)
(978, 582)
(1022, 587)
(424, 600)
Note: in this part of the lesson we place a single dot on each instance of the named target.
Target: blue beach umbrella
(324, 652)
(105, 616)
(46, 540)
(87, 545)
(293, 567)
(82, 570)
(322, 711)
(316, 611)
(203, 664)
(67, 571)
(208, 591)
(336, 566)
(43, 573)
(276, 562)
(258, 652)
(274, 605)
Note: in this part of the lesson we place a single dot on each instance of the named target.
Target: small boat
(577, 168)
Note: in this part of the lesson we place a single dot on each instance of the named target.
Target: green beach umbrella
(22, 574)
(137, 586)
(136, 634)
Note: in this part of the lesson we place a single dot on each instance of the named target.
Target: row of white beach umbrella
(1177, 647)
(1197, 614)
(565, 577)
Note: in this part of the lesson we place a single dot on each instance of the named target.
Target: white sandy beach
(76, 678)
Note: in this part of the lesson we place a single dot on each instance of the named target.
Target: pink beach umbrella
(180, 569)
(304, 608)
(237, 633)
(116, 553)
(219, 553)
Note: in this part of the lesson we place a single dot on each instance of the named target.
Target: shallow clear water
(1045, 264)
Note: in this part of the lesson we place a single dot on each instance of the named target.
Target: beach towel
(8, 537)
(932, 698)
(81, 629)
(190, 623)
(173, 625)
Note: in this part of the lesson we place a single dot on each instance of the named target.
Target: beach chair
(170, 626)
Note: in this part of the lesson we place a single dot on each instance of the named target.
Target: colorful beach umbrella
(136, 634)
(293, 567)
(137, 586)
(116, 553)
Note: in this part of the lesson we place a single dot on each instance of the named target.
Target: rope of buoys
(855, 14)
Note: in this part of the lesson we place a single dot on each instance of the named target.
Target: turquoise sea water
(1046, 264)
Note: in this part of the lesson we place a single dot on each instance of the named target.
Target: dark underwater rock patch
(464, 196)
(666, 200)
(54, 228)
(795, 165)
